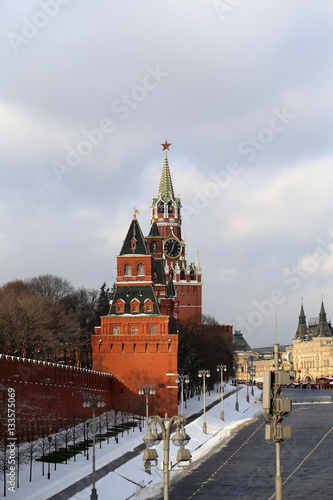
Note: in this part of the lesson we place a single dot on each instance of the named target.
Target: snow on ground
(130, 480)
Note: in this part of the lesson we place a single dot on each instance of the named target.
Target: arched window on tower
(160, 207)
(153, 247)
(170, 208)
(182, 275)
(152, 330)
(192, 275)
(141, 270)
(127, 270)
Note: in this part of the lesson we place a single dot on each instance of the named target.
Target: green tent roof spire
(302, 329)
(165, 190)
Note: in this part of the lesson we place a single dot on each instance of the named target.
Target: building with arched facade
(312, 347)
(310, 354)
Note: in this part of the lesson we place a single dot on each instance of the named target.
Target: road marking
(211, 477)
(322, 439)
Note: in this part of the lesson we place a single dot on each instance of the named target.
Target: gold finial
(135, 213)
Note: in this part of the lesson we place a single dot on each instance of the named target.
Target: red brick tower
(134, 342)
(137, 341)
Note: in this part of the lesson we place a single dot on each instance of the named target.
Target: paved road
(308, 395)
(244, 469)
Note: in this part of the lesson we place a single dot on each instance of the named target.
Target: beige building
(262, 359)
(312, 349)
(311, 352)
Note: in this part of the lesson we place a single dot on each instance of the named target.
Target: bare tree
(32, 449)
(203, 346)
(50, 287)
(35, 327)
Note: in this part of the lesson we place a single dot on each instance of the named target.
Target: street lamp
(180, 438)
(87, 424)
(252, 371)
(204, 374)
(92, 400)
(222, 368)
(236, 384)
(48, 468)
(146, 390)
(182, 379)
(248, 363)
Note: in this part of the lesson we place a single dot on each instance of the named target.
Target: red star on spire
(166, 145)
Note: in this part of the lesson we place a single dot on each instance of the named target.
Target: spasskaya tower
(156, 286)
(168, 248)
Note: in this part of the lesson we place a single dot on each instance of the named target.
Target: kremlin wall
(48, 396)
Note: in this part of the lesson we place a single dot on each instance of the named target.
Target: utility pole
(275, 408)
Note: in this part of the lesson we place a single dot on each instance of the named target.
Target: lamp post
(222, 368)
(140, 426)
(92, 400)
(204, 374)
(182, 379)
(236, 384)
(146, 390)
(180, 438)
(87, 424)
(252, 374)
(48, 468)
(248, 362)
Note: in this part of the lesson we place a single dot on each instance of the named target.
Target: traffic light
(277, 432)
(267, 397)
(184, 455)
(150, 455)
(272, 388)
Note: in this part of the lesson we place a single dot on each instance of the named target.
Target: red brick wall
(42, 406)
(138, 360)
(190, 302)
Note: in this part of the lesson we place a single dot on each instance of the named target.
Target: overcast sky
(243, 91)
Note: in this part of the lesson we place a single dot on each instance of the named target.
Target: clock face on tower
(172, 248)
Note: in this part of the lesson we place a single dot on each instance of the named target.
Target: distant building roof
(239, 342)
(317, 327)
(270, 349)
